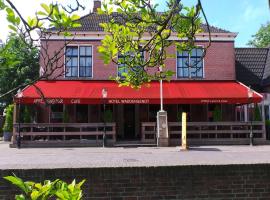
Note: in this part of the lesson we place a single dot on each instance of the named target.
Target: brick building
(75, 112)
(253, 69)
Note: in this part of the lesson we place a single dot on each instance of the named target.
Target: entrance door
(129, 121)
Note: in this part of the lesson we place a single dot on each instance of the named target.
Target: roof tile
(250, 65)
(91, 22)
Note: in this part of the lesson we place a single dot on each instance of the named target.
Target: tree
(19, 65)
(135, 26)
(138, 27)
(51, 19)
(8, 125)
(262, 37)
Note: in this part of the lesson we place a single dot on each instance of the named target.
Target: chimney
(97, 4)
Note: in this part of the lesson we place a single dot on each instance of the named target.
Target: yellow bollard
(184, 131)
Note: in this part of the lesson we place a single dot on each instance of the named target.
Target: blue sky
(242, 16)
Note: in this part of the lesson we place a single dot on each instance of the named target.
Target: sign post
(184, 131)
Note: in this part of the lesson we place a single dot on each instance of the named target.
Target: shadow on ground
(203, 149)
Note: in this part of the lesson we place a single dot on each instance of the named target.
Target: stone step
(133, 143)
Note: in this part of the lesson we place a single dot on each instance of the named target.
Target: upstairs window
(78, 61)
(122, 68)
(190, 64)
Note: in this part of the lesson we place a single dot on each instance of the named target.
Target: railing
(65, 132)
(207, 132)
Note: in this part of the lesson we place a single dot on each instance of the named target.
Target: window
(81, 113)
(56, 113)
(121, 68)
(186, 59)
(79, 61)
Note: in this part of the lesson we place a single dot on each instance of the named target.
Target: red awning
(175, 92)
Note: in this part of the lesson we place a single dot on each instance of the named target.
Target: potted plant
(217, 115)
(26, 115)
(257, 114)
(65, 116)
(108, 117)
(8, 125)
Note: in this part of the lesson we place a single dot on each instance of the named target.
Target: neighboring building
(209, 94)
(253, 69)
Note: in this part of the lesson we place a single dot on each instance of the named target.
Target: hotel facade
(70, 108)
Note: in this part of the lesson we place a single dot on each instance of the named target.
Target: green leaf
(75, 17)
(81, 183)
(75, 25)
(9, 11)
(18, 182)
(2, 5)
(35, 195)
(46, 8)
(41, 13)
(18, 20)
(13, 28)
(20, 197)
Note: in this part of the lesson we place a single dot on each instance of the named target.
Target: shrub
(26, 115)
(8, 125)
(257, 114)
(217, 115)
(179, 117)
(65, 116)
(108, 116)
(57, 189)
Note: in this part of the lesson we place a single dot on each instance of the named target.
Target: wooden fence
(79, 134)
(208, 132)
(64, 133)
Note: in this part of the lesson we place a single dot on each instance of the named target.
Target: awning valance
(174, 92)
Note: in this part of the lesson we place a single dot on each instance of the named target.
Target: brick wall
(180, 182)
(219, 61)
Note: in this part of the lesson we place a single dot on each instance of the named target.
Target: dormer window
(190, 64)
(78, 61)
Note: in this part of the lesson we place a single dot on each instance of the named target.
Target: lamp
(19, 96)
(104, 94)
(250, 96)
(250, 93)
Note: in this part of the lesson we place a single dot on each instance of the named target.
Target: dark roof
(91, 22)
(250, 66)
(266, 75)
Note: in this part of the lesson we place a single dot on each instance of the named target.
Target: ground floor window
(153, 109)
(56, 115)
(81, 113)
(59, 113)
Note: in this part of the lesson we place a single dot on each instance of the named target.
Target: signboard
(128, 101)
(57, 101)
(214, 101)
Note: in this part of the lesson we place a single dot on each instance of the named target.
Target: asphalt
(48, 158)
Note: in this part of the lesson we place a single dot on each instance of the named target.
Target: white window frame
(78, 75)
(189, 77)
